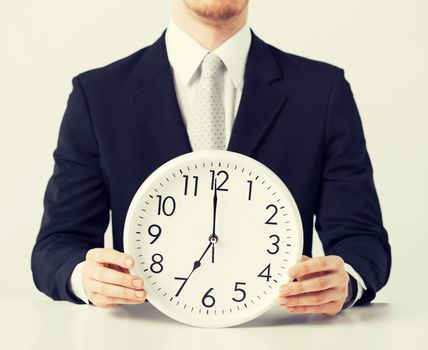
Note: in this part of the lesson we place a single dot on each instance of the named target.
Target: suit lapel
(156, 102)
(260, 101)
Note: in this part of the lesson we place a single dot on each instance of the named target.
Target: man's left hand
(321, 286)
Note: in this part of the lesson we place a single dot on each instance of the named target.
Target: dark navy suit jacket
(296, 115)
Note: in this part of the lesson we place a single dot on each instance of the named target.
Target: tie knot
(211, 66)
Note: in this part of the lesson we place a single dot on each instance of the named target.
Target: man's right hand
(107, 280)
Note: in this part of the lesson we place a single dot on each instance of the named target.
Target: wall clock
(213, 234)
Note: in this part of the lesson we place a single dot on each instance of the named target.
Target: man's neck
(209, 34)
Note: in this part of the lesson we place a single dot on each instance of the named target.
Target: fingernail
(139, 294)
(284, 301)
(291, 309)
(137, 283)
(292, 272)
(128, 262)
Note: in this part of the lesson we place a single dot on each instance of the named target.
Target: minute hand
(213, 237)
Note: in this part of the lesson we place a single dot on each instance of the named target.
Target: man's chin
(216, 11)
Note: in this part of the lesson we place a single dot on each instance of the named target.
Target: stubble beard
(217, 12)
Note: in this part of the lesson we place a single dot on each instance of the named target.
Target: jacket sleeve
(76, 202)
(348, 215)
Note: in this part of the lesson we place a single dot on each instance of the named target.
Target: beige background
(382, 45)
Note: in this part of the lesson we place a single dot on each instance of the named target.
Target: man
(126, 119)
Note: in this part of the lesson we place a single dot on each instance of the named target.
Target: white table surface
(63, 325)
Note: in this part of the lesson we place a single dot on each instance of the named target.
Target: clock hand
(206, 249)
(196, 265)
(213, 237)
(212, 253)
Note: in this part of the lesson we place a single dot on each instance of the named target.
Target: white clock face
(213, 234)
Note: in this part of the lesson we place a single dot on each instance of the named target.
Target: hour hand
(196, 265)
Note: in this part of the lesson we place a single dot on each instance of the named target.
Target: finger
(303, 258)
(106, 275)
(116, 267)
(317, 264)
(120, 268)
(314, 298)
(112, 290)
(105, 301)
(292, 279)
(331, 307)
(298, 278)
(310, 275)
(310, 285)
(110, 256)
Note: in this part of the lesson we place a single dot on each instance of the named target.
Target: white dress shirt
(185, 55)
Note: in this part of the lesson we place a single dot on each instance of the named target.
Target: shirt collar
(185, 54)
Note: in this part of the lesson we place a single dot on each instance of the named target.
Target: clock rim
(197, 155)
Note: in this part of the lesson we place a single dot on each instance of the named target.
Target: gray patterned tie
(206, 124)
